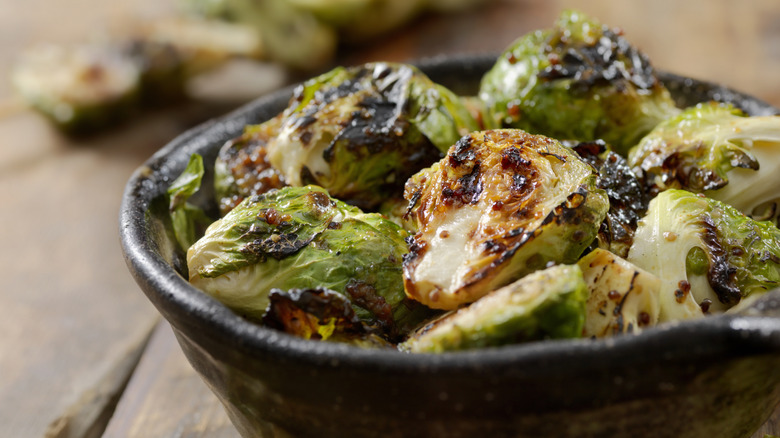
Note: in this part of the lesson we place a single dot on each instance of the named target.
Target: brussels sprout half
(622, 297)
(500, 205)
(707, 254)
(716, 149)
(548, 304)
(579, 80)
(300, 238)
(361, 132)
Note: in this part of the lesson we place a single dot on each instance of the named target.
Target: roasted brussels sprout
(86, 88)
(361, 132)
(242, 168)
(500, 205)
(707, 254)
(548, 304)
(627, 197)
(622, 297)
(300, 238)
(716, 149)
(579, 80)
(320, 314)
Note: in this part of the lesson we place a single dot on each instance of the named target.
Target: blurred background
(76, 329)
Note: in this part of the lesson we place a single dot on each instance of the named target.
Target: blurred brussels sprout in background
(500, 205)
(580, 81)
(361, 132)
(707, 254)
(548, 304)
(300, 238)
(80, 90)
(242, 168)
(356, 20)
(622, 298)
(86, 88)
(291, 36)
(716, 149)
(627, 197)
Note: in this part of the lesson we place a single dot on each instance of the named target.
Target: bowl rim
(188, 309)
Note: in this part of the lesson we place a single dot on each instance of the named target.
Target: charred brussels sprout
(579, 80)
(320, 314)
(707, 254)
(622, 297)
(716, 149)
(300, 238)
(627, 197)
(500, 205)
(242, 168)
(548, 304)
(361, 132)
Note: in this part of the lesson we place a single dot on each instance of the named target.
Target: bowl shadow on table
(719, 376)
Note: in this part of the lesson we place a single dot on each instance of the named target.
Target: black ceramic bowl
(715, 377)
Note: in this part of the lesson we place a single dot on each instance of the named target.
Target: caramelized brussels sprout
(622, 298)
(320, 314)
(627, 197)
(579, 80)
(300, 238)
(716, 149)
(548, 304)
(500, 205)
(707, 254)
(361, 132)
(242, 168)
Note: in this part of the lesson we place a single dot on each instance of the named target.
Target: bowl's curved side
(667, 382)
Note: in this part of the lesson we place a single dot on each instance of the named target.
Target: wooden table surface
(75, 328)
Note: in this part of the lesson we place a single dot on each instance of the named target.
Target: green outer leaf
(187, 183)
(548, 304)
(439, 114)
(188, 221)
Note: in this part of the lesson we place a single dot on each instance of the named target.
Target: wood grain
(166, 398)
